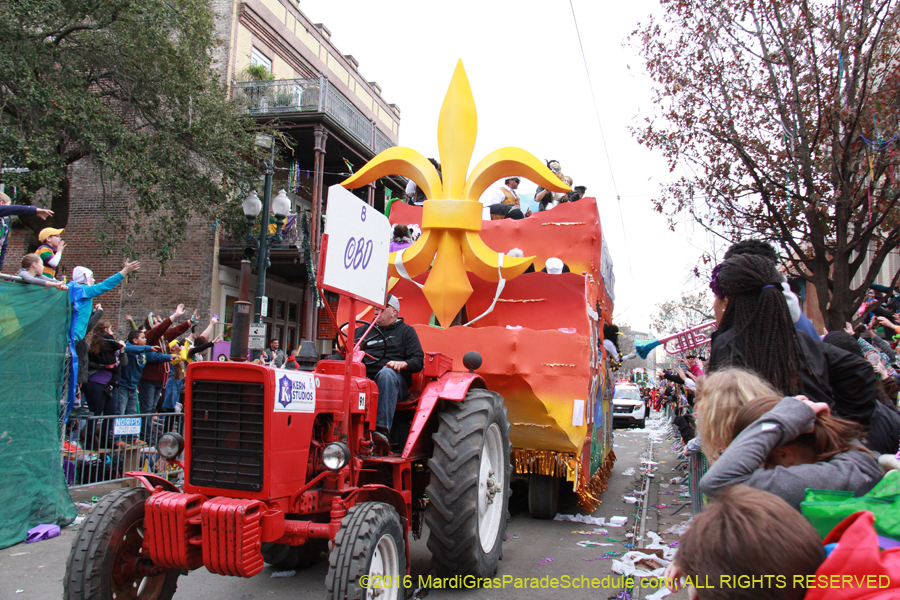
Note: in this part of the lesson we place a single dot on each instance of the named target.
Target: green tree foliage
(775, 118)
(133, 86)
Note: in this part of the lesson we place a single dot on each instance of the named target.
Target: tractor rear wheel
(543, 496)
(107, 559)
(369, 556)
(469, 487)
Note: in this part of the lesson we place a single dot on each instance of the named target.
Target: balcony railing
(314, 95)
(291, 233)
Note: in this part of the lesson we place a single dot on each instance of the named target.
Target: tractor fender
(379, 493)
(151, 481)
(450, 386)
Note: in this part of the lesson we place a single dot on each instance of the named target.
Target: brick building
(320, 101)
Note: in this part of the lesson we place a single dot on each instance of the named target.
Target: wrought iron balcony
(314, 95)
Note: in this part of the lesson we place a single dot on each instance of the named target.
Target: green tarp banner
(34, 322)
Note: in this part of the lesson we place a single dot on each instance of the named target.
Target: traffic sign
(257, 339)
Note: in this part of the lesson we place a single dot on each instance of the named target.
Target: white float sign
(295, 391)
(359, 237)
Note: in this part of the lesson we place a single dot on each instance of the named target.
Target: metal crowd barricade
(107, 447)
(696, 468)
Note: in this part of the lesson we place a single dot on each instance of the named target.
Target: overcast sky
(531, 90)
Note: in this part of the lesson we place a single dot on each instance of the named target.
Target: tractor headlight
(335, 456)
(170, 445)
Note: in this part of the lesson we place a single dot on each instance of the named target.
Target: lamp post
(240, 324)
(258, 247)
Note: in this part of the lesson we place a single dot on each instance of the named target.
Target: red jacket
(160, 371)
(871, 574)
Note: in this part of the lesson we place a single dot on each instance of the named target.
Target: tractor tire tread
(452, 514)
(346, 567)
(85, 563)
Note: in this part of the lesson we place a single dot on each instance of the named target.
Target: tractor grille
(227, 421)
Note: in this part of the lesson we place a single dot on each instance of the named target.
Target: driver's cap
(392, 301)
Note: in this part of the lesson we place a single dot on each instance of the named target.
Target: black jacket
(402, 344)
(107, 356)
(844, 381)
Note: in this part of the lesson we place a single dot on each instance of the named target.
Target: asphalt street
(533, 548)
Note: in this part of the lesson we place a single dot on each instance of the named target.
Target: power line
(603, 139)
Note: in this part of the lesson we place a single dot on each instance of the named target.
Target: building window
(258, 58)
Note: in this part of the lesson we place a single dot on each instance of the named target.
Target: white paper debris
(581, 519)
(630, 499)
(628, 472)
(587, 544)
(279, 574)
(638, 564)
(617, 521)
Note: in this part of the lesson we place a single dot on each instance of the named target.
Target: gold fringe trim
(556, 365)
(589, 492)
(564, 223)
(521, 301)
(541, 462)
(530, 425)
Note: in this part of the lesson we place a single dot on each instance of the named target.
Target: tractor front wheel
(107, 560)
(369, 556)
(469, 487)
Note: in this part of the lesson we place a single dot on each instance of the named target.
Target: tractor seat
(415, 390)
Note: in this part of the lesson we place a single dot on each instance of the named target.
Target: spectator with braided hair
(755, 331)
(765, 249)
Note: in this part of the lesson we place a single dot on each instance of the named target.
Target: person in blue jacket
(139, 355)
(82, 290)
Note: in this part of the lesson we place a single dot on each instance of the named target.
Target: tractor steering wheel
(374, 334)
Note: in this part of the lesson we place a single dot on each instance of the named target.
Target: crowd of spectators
(779, 409)
(139, 370)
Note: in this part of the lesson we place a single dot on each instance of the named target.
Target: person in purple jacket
(7, 210)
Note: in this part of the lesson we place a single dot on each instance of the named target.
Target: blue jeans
(128, 401)
(173, 393)
(391, 388)
(148, 395)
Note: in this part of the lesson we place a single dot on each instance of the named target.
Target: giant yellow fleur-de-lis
(451, 216)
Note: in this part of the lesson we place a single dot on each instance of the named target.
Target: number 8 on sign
(357, 253)
(362, 216)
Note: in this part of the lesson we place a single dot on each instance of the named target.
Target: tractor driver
(393, 371)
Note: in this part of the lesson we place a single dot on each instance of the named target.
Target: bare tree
(687, 311)
(781, 119)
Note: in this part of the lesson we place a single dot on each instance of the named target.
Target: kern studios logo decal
(296, 393)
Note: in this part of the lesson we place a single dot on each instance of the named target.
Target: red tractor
(280, 466)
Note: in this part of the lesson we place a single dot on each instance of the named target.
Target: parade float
(281, 466)
(540, 335)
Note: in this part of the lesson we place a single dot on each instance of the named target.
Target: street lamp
(240, 321)
(281, 206)
(252, 207)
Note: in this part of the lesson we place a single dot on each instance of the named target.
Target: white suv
(628, 406)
